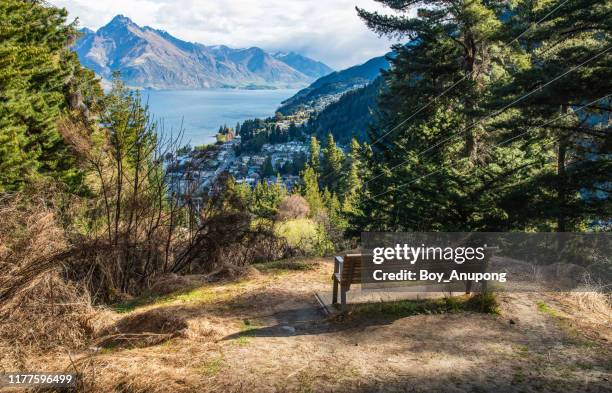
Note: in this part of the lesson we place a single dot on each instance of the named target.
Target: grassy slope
(264, 333)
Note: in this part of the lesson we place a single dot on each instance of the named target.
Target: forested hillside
(336, 83)
(350, 116)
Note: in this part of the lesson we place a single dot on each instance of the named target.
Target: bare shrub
(227, 238)
(292, 207)
(203, 252)
(266, 246)
(39, 310)
(132, 221)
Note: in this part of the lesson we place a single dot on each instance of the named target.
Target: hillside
(265, 332)
(470, 251)
(336, 83)
(152, 58)
(349, 116)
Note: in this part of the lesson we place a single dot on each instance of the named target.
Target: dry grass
(588, 309)
(169, 283)
(44, 312)
(230, 336)
(592, 299)
(143, 329)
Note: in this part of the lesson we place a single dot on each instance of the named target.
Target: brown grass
(593, 300)
(166, 284)
(588, 308)
(230, 337)
(43, 312)
(143, 329)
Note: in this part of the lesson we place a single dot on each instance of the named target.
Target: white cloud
(329, 31)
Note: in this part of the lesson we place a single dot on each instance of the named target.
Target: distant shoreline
(106, 85)
(203, 111)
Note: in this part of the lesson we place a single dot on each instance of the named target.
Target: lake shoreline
(200, 112)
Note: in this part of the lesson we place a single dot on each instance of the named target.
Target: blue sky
(329, 31)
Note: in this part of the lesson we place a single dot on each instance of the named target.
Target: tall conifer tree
(40, 80)
(433, 166)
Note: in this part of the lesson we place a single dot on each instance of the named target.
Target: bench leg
(468, 287)
(335, 291)
(343, 298)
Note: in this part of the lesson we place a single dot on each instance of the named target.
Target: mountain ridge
(305, 65)
(151, 58)
(337, 83)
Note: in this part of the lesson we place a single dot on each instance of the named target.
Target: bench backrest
(351, 269)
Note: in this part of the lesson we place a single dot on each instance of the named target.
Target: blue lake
(202, 112)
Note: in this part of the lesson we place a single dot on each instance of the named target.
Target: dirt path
(267, 334)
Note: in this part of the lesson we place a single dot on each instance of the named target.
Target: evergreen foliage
(352, 181)
(315, 154)
(350, 116)
(263, 200)
(333, 165)
(267, 169)
(440, 161)
(571, 189)
(311, 191)
(40, 81)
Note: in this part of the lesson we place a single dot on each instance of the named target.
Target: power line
(497, 145)
(540, 21)
(493, 114)
(464, 77)
(397, 126)
(420, 109)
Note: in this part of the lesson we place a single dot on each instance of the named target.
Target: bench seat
(347, 271)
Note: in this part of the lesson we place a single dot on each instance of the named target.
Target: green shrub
(306, 235)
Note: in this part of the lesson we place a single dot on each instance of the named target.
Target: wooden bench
(347, 271)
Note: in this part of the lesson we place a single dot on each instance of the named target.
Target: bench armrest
(338, 262)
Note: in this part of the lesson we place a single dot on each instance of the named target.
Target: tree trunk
(471, 148)
(561, 180)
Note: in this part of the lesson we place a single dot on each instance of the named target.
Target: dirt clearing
(266, 333)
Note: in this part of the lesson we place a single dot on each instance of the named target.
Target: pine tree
(352, 180)
(334, 212)
(439, 169)
(280, 190)
(451, 166)
(333, 158)
(315, 154)
(294, 132)
(266, 198)
(267, 169)
(241, 190)
(132, 134)
(572, 147)
(39, 81)
(310, 190)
